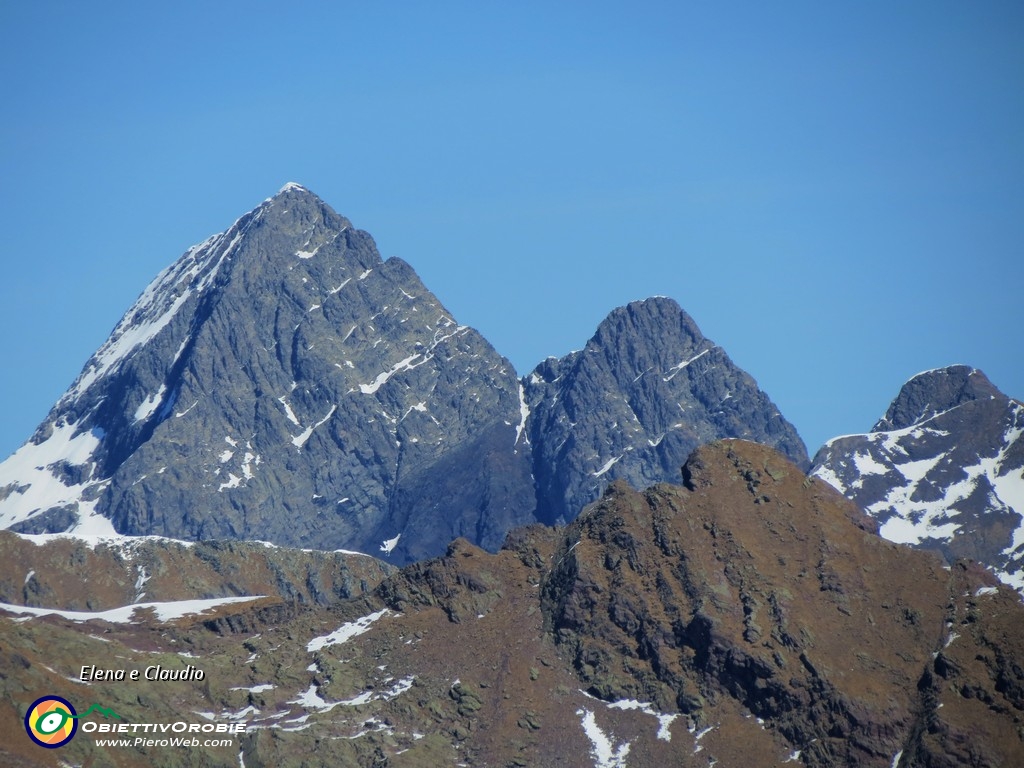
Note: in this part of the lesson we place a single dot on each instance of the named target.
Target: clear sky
(834, 191)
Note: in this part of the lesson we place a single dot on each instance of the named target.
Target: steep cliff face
(646, 390)
(281, 382)
(942, 470)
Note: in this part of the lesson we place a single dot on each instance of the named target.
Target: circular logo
(50, 721)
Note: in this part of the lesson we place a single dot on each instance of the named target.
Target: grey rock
(646, 390)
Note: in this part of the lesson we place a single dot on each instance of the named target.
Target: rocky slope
(281, 382)
(942, 470)
(750, 617)
(76, 574)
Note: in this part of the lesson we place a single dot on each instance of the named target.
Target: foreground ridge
(748, 617)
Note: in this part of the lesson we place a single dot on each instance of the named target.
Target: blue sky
(835, 192)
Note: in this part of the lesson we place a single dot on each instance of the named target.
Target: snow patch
(346, 631)
(664, 721)
(675, 369)
(148, 406)
(256, 688)
(165, 611)
(91, 523)
(29, 473)
(383, 378)
(311, 699)
(234, 481)
(288, 411)
(140, 582)
(524, 414)
(179, 414)
(300, 440)
(395, 690)
(607, 465)
(605, 753)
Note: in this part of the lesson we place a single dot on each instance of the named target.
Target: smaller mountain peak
(292, 186)
(931, 392)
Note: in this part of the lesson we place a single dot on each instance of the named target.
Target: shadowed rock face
(282, 382)
(645, 391)
(750, 617)
(942, 470)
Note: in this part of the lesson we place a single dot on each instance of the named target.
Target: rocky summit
(943, 470)
(749, 617)
(282, 382)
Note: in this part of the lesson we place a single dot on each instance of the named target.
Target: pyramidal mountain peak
(246, 362)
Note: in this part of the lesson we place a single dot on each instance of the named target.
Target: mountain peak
(931, 392)
(646, 390)
(284, 352)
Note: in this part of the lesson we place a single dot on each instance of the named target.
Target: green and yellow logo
(52, 722)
